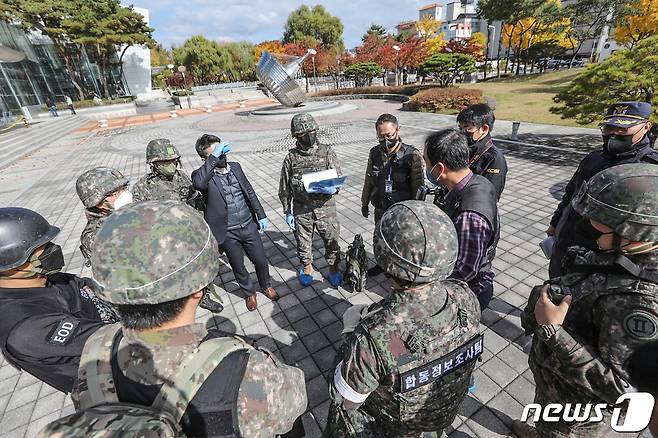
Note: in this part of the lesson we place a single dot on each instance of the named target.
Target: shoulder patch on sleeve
(493, 170)
(64, 331)
(641, 325)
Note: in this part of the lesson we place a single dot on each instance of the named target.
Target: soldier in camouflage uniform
(166, 182)
(405, 365)
(587, 323)
(154, 261)
(101, 190)
(306, 212)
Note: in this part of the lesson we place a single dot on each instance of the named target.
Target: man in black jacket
(234, 215)
(484, 157)
(626, 129)
(46, 315)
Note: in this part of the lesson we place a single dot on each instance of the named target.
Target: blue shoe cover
(336, 279)
(304, 279)
(471, 385)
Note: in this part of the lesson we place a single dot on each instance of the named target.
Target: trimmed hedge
(407, 90)
(437, 100)
(89, 103)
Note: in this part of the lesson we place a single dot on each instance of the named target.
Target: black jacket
(43, 330)
(205, 180)
(596, 161)
(488, 161)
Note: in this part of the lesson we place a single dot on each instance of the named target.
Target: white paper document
(324, 178)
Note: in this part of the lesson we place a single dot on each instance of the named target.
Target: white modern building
(137, 66)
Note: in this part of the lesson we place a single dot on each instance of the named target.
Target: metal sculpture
(279, 78)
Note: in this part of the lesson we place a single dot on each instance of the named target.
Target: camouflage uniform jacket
(88, 236)
(271, 395)
(299, 162)
(611, 315)
(153, 187)
(409, 331)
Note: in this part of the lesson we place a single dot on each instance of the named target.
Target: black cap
(627, 114)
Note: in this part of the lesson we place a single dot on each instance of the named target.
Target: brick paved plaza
(304, 326)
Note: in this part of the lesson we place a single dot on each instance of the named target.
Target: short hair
(448, 146)
(478, 115)
(204, 142)
(640, 367)
(149, 316)
(386, 118)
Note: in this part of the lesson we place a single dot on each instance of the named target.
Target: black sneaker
(374, 271)
(210, 304)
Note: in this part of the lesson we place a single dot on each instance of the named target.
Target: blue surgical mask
(431, 178)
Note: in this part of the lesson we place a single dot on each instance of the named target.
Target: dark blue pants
(247, 240)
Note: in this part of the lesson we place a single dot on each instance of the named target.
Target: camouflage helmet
(302, 123)
(624, 198)
(96, 184)
(415, 241)
(161, 149)
(153, 252)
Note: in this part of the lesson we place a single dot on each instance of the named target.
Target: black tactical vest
(397, 170)
(479, 196)
(213, 409)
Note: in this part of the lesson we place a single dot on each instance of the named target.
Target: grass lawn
(528, 98)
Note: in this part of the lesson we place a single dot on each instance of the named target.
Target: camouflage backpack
(101, 414)
(356, 268)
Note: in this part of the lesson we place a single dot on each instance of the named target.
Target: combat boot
(523, 430)
(210, 304)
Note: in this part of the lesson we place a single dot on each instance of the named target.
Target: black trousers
(247, 240)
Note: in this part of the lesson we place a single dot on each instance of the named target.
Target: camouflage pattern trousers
(547, 392)
(325, 221)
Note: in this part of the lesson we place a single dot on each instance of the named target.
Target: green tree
(160, 56)
(106, 27)
(625, 75)
(375, 30)
(242, 61)
(362, 73)
(202, 58)
(315, 23)
(446, 67)
(101, 25)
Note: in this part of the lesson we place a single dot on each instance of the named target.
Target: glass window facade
(42, 73)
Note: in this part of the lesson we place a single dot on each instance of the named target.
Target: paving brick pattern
(304, 326)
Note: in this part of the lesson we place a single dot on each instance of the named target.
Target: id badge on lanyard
(388, 187)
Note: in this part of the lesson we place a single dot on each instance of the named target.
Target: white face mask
(125, 198)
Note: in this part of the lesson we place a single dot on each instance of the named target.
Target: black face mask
(587, 235)
(221, 161)
(51, 261)
(618, 144)
(469, 138)
(388, 143)
(307, 140)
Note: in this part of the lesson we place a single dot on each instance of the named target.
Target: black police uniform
(571, 228)
(487, 160)
(43, 330)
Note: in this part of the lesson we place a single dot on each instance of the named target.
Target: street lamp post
(315, 76)
(397, 54)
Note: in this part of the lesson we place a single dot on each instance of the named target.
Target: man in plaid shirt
(471, 203)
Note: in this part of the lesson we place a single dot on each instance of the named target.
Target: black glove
(364, 211)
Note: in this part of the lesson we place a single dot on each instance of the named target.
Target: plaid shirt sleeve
(473, 234)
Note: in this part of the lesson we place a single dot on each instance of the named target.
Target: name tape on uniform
(433, 371)
(64, 332)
